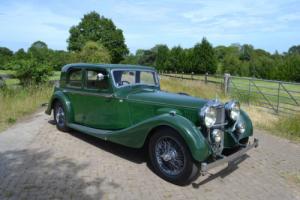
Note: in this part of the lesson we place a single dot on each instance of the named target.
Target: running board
(91, 131)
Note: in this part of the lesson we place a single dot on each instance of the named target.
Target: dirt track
(39, 162)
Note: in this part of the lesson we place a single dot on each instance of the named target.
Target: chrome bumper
(205, 167)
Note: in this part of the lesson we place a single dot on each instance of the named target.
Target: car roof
(105, 66)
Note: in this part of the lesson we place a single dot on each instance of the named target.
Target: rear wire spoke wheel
(171, 158)
(60, 117)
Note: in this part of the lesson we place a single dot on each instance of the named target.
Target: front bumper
(205, 167)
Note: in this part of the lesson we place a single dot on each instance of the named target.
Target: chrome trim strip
(91, 94)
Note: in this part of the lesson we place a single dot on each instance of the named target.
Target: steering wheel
(126, 82)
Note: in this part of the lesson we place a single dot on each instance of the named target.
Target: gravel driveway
(39, 162)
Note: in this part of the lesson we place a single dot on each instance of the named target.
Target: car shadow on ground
(38, 174)
(223, 173)
(139, 156)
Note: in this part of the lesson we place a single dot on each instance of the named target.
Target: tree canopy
(94, 27)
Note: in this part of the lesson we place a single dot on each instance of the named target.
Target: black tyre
(171, 158)
(60, 117)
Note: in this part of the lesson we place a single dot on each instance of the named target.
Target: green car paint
(129, 115)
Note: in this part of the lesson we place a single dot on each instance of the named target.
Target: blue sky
(267, 24)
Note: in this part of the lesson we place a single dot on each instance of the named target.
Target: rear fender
(61, 97)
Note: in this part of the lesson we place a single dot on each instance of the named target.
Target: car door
(99, 102)
(73, 90)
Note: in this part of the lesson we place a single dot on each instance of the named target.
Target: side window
(94, 80)
(75, 78)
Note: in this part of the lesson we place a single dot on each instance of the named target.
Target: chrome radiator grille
(220, 115)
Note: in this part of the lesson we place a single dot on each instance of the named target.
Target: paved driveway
(39, 162)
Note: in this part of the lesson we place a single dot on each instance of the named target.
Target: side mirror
(100, 77)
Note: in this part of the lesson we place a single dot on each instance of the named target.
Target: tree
(246, 52)
(39, 51)
(94, 27)
(176, 59)
(294, 49)
(5, 56)
(162, 56)
(146, 57)
(204, 58)
(94, 52)
(20, 55)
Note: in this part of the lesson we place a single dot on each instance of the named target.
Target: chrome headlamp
(233, 110)
(209, 116)
(241, 127)
(217, 135)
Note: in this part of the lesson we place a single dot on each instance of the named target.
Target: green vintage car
(184, 136)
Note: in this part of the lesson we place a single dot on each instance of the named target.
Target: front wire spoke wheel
(169, 156)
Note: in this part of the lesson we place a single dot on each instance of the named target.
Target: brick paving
(39, 162)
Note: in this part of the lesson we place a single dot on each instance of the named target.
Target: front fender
(135, 136)
(60, 96)
(249, 127)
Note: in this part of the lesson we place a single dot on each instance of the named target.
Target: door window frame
(105, 91)
(68, 78)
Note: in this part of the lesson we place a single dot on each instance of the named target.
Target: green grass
(16, 103)
(55, 76)
(12, 81)
(10, 72)
(289, 127)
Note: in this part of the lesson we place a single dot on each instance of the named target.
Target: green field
(271, 94)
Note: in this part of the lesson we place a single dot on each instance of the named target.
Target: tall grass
(289, 126)
(18, 102)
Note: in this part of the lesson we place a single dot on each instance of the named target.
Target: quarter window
(75, 78)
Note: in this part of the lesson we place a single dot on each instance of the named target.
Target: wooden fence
(277, 96)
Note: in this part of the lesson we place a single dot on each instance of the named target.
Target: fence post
(205, 78)
(278, 94)
(226, 83)
(182, 75)
(192, 75)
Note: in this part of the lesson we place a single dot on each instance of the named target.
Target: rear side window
(95, 82)
(75, 78)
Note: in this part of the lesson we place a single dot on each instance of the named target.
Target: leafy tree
(130, 59)
(20, 55)
(162, 56)
(94, 27)
(294, 49)
(94, 52)
(146, 57)
(246, 52)
(5, 57)
(204, 58)
(39, 51)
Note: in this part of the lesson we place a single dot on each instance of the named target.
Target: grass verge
(18, 102)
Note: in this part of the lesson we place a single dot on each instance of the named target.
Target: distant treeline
(96, 39)
(236, 59)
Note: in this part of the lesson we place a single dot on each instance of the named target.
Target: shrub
(31, 72)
